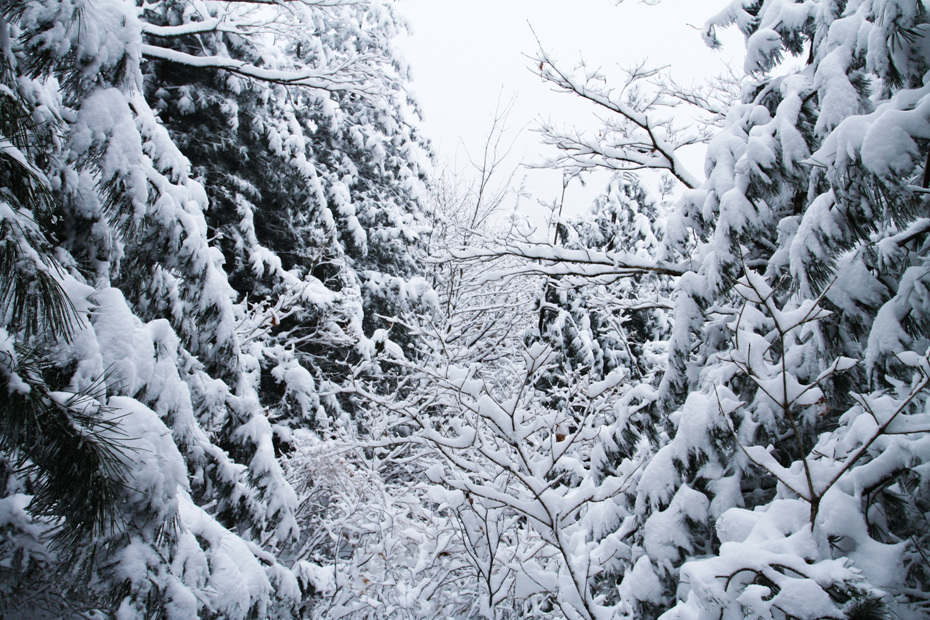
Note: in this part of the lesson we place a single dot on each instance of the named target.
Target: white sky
(466, 55)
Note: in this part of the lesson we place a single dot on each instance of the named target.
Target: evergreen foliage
(234, 389)
(762, 465)
(150, 367)
(796, 346)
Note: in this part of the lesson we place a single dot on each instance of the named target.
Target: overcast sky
(467, 55)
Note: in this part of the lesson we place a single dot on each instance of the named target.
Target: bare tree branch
(637, 140)
(545, 259)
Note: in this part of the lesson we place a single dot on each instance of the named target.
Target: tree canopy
(262, 361)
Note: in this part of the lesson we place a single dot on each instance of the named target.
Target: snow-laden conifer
(787, 416)
(141, 467)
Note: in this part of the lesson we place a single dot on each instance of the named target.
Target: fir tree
(130, 359)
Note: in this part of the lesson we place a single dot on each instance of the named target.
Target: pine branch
(350, 76)
(68, 444)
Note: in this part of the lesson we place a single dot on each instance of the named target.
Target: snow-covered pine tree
(120, 200)
(314, 202)
(314, 188)
(794, 392)
(832, 160)
(600, 324)
(120, 324)
(42, 430)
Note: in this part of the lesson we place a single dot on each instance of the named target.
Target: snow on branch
(352, 75)
(634, 138)
(242, 17)
(243, 23)
(712, 99)
(254, 20)
(506, 462)
(549, 260)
